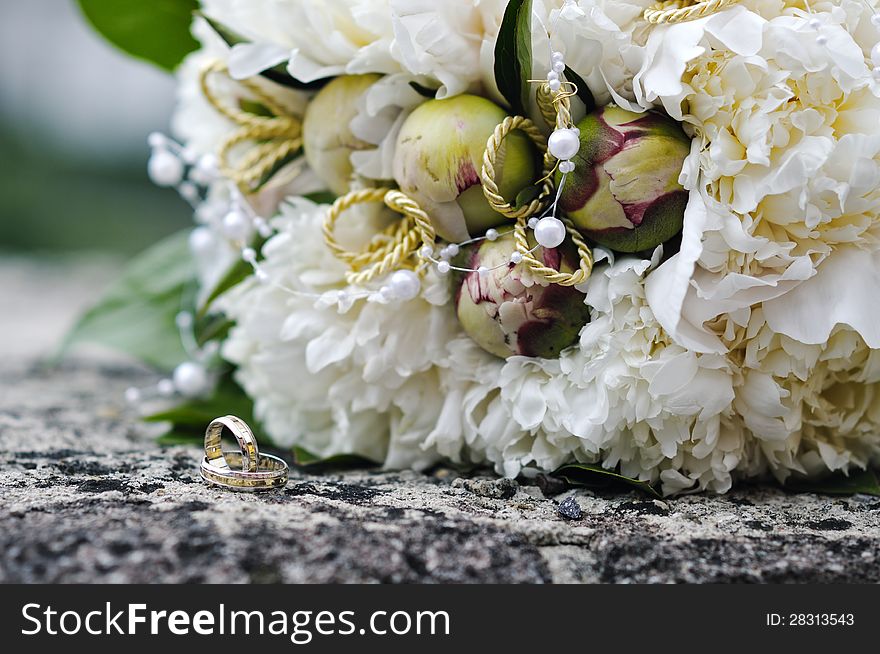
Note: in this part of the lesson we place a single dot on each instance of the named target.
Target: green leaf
(424, 91)
(593, 476)
(255, 108)
(525, 196)
(190, 418)
(180, 437)
(278, 74)
(858, 481)
(137, 314)
(513, 55)
(213, 327)
(583, 91)
(237, 273)
(157, 31)
(321, 197)
(314, 464)
(226, 398)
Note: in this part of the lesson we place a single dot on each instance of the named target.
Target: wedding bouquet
(639, 237)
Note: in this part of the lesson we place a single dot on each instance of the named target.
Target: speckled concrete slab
(87, 496)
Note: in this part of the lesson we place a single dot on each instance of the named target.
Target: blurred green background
(74, 119)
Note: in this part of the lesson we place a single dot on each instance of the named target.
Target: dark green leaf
(424, 91)
(181, 437)
(227, 398)
(213, 327)
(858, 481)
(255, 108)
(513, 55)
(137, 314)
(314, 464)
(583, 91)
(277, 168)
(237, 273)
(525, 196)
(593, 476)
(191, 417)
(278, 74)
(321, 197)
(157, 31)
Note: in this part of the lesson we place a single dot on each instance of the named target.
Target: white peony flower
(784, 167)
(330, 374)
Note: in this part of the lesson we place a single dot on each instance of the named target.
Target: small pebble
(569, 509)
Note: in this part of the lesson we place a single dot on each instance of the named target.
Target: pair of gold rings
(246, 470)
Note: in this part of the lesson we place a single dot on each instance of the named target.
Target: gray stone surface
(87, 496)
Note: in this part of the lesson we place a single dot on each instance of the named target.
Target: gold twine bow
(393, 248)
(276, 138)
(679, 11)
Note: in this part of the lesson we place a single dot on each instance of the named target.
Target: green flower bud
(624, 191)
(439, 157)
(327, 138)
(508, 311)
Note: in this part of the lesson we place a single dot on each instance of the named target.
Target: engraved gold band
(271, 473)
(248, 460)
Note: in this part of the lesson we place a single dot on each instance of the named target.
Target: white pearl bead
(453, 249)
(190, 379)
(554, 85)
(165, 169)
(249, 255)
(165, 387)
(558, 67)
(492, 234)
(261, 275)
(821, 40)
(443, 267)
(132, 395)
(563, 144)
(426, 252)
(157, 140)
(550, 232)
(875, 54)
(482, 271)
(201, 240)
(190, 156)
(557, 56)
(386, 294)
(209, 165)
(189, 191)
(814, 23)
(236, 225)
(516, 258)
(566, 167)
(264, 229)
(183, 320)
(552, 76)
(533, 222)
(444, 254)
(405, 284)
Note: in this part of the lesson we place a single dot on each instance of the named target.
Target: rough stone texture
(87, 496)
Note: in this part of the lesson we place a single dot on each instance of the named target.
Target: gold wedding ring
(246, 470)
(247, 442)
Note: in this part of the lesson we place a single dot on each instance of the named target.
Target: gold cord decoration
(679, 11)
(394, 248)
(490, 159)
(537, 267)
(276, 137)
